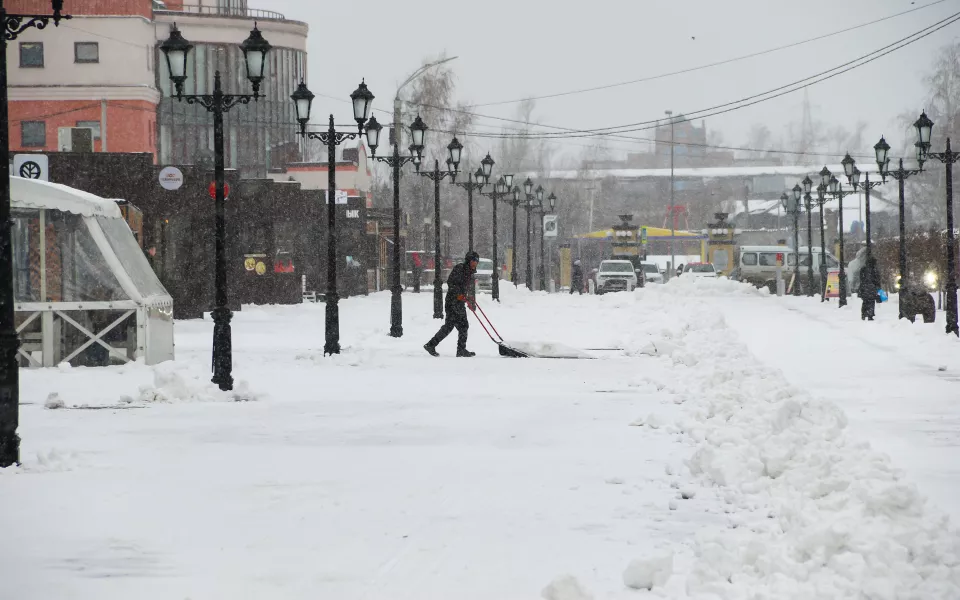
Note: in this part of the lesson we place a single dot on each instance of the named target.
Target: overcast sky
(511, 49)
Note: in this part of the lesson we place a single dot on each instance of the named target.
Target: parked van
(758, 264)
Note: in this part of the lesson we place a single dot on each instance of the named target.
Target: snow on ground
(682, 459)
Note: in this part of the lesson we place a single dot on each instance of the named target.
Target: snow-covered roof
(706, 172)
(37, 194)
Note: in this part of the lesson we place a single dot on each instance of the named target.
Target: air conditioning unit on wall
(75, 139)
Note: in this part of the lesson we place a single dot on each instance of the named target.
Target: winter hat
(472, 256)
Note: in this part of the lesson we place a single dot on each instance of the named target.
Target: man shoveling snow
(459, 284)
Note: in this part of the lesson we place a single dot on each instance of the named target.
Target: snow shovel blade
(510, 352)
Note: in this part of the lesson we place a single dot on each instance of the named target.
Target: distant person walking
(576, 282)
(869, 289)
(459, 288)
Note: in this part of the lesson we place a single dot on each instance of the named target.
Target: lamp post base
(396, 312)
(332, 342)
(222, 348)
(9, 399)
(437, 299)
(952, 326)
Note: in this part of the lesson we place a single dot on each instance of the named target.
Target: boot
(464, 353)
(431, 350)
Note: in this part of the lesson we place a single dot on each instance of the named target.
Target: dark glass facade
(258, 136)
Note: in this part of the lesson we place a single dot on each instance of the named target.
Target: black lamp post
(417, 130)
(882, 148)
(924, 127)
(176, 49)
(792, 205)
(9, 340)
(436, 176)
(825, 176)
(836, 189)
(853, 177)
(808, 204)
(362, 100)
(528, 194)
(544, 258)
(476, 181)
(500, 190)
(529, 208)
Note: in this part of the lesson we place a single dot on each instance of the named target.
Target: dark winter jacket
(459, 286)
(869, 283)
(578, 274)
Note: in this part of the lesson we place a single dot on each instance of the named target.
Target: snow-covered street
(697, 454)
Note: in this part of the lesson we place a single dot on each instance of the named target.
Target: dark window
(31, 55)
(749, 259)
(768, 259)
(33, 134)
(86, 52)
(94, 125)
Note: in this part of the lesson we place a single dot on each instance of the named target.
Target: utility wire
(711, 65)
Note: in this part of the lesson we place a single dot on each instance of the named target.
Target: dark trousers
(868, 308)
(456, 319)
(577, 286)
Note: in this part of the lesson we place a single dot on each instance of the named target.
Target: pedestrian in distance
(869, 291)
(576, 283)
(459, 288)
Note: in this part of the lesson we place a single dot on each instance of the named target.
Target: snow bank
(648, 573)
(565, 587)
(690, 286)
(813, 512)
(173, 383)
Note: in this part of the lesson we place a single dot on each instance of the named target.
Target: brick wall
(83, 7)
(54, 270)
(131, 124)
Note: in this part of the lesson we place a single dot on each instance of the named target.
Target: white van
(758, 264)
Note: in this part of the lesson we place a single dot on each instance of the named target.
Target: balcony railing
(218, 11)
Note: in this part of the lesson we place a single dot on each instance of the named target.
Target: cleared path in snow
(884, 375)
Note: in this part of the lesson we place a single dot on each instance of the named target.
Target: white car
(616, 276)
(484, 275)
(700, 270)
(651, 272)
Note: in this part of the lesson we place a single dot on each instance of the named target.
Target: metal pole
(470, 214)
(543, 258)
(843, 273)
(332, 326)
(9, 341)
(396, 307)
(822, 267)
(903, 246)
(808, 201)
(673, 220)
(103, 124)
(495, 280)
(866, 204)
(796, 250)
(222, 338)
(529, 261)
(513, 259)
(437, 260)
(951, 290)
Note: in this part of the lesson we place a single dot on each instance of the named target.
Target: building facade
(103, 70)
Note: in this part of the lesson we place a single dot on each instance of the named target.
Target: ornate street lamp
(176, 50)
(14, 24)
(436, 176)
(514, 202)
(882, 148)
(395, 161)
(499, 192)
(791, 204)
(362, 100)
(808, 205)
(836, 189)
(924, 128)
(474, 182)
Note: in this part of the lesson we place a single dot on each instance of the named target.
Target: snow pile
(54, 401)
(50, 461)
(645, 574)
(815, 514)
(173, 384)
(706, 286)
(565, 587)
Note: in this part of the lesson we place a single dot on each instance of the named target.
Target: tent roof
(652, 232)
(37, 194)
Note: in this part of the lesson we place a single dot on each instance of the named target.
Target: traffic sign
(212, 188)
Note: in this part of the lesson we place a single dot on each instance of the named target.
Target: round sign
(250, 264)
(30, 170)
(212, 188)
(261, 268)
(171, 178)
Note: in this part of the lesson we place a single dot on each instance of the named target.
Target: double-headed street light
(808, 205)
(474, 182)
(14, 24)
(499, 191)
(791, 204)
(176, 50)
(544, 261)
(924, 128)
(436, 176)
(825, 176)
(901, 174)
(529, 206)
(418, 131)
(362, 100)
(836, 190)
